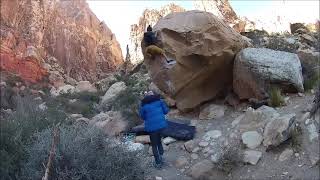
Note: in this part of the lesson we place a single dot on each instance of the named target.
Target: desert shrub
(17, 130)
(128, 102)
(82, 153)
(276, 99)
(296, 139)
(230, 156)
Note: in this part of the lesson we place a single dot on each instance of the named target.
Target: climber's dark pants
(157, 149)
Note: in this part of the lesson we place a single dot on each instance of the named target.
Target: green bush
(85, 103)
(128, 102)
(276, 98)
(82, 153)
(17, 130)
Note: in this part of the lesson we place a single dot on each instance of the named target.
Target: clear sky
(119, 15)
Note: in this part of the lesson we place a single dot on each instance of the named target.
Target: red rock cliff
(39, 37)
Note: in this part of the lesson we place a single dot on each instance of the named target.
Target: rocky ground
(289, 160)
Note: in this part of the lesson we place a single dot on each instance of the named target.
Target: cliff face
(220, 8)
(149, 17)
(63, 38)
(224, 11)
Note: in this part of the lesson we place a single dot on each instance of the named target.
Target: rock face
(32, 32)
(220, 8)
(224, 11)
(203, 47)
(256, 69)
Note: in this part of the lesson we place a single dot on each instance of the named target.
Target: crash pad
(175, 130)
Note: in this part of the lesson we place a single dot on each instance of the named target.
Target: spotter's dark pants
(157, 149)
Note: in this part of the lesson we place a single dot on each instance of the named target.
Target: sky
(119, 15)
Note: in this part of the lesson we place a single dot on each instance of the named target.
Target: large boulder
(203, 48)
(113, 92)
(257, 69)
(310, 62)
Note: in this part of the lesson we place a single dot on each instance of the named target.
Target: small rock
(181, 162)
(144, 139)
(213, 134)
(278, 130)
(307, 122)
(158, 178)
(300, 94)
(286, 154)
(194, 156)
(189, 146)
(71, 101)
(76, 116)
(237, 120)
(41, 93)
(168, 140)
(134, 146)
(206, 149)
(304, 117)
(296, 154)
(43, 106)
(313, 134)
(38, 99)
(252, 139)
(286, 100)
(195, 150)
(215, 158)
(203, 144)
(312, 91)
(252, 156)
(212, 111)
(2, 83)
(82, 119)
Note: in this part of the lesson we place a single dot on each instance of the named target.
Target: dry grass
(276, 99)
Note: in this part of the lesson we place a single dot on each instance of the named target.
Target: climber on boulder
(149, 37)
(152, 49)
